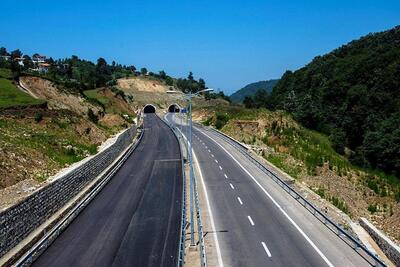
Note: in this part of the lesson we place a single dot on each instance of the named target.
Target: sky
(227, 43)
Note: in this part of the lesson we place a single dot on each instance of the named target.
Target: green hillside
(353, 95)
(252, 88)
(10, 95)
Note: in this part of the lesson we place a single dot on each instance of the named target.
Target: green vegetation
(311, 148)
(352, 95)
(10, 95)
(251, 89)
(5, 73)
(190, 84)
(61, 144)
(96, 98)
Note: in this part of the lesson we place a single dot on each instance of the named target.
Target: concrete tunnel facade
(149, 108)
(174, 108)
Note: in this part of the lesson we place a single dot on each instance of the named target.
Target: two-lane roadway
(256, 222)
(135, 219)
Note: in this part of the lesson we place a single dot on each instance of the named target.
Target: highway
(256, 223)
(135, 219)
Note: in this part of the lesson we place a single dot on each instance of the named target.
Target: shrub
(93, 117)
(38, 117)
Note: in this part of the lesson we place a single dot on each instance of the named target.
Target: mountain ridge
(251, 88)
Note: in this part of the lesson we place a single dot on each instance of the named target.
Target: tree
(101, 62)
(162, 74)
(16, 54)
(27, 62)
(15, 69)
(169, 81)
(132, 68)
(190, 76)
(92, 117)
(202, 84)
(3, 51)
(103, 73)
(143, 71)
(249, 102)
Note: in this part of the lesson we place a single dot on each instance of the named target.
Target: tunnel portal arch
(149, 109)
(174, 108)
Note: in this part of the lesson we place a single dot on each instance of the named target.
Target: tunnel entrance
(174, 108)
(149, 109)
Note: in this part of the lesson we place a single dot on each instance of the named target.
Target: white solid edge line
(266, 249)
(240, 201)
(232, 186)
(251, 221)
(276, 203)
(220, 262)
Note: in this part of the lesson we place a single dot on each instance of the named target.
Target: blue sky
(228, 43)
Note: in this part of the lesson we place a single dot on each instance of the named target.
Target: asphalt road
(256, 222)
(135, 219)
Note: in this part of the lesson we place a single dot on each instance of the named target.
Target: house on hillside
(6, 58)
(20, 61)
(36, 59)
(43, 67)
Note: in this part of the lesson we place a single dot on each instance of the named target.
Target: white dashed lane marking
(266, 249)
(250, 220)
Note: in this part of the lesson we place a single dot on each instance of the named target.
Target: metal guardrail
(27, 258)
(181, 252)
(339, 231)
(203, 257)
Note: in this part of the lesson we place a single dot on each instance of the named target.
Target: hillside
(308, 157)
(252, 88)
(353, 95)
(44, 127)
(10, 95)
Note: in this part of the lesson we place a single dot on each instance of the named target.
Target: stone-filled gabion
(18, 221)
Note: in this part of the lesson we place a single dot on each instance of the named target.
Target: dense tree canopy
(352, 94)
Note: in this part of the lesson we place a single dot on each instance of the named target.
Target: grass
(61, 144)
(109, 104)
(11, 96)
(95, 97)
(5, 73)
(311, 148)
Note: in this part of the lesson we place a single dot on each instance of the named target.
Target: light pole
(189, 96)
(190, 155)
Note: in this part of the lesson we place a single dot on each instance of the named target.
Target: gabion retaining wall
(18, 221)
(390, 249)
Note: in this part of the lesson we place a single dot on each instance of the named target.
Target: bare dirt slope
(148, 90)
(44, 89)
(142, 84)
